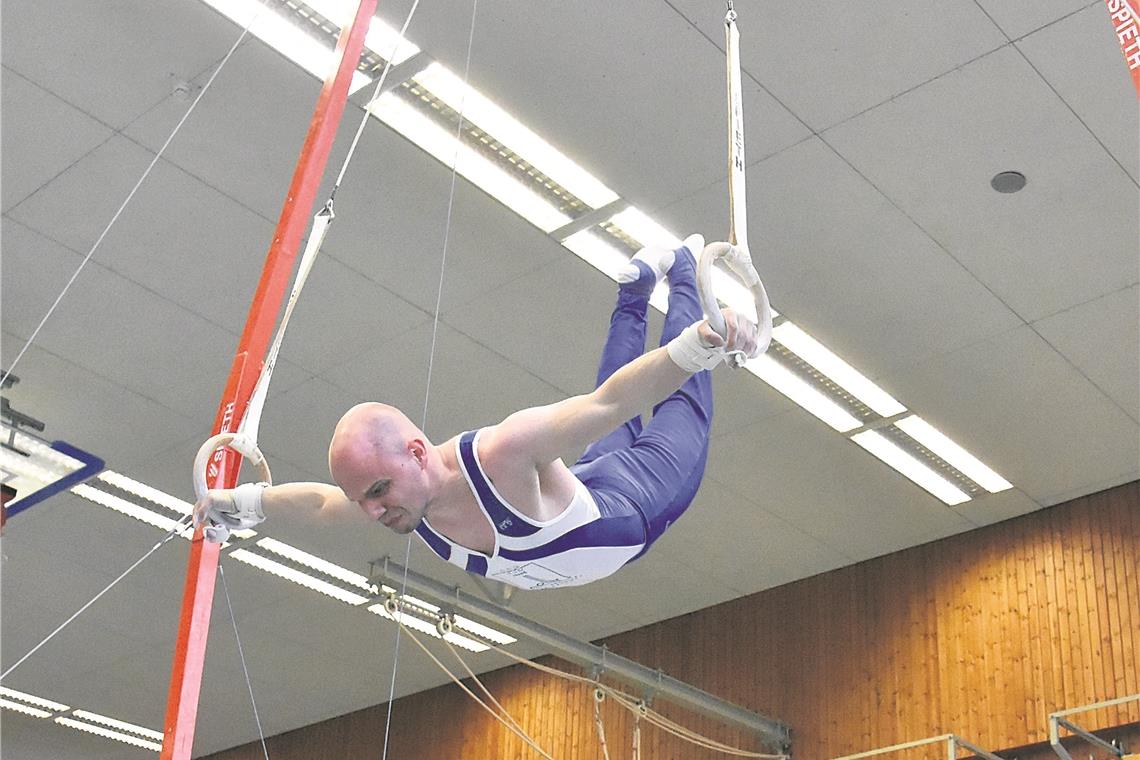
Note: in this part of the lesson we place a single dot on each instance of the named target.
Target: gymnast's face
(390, 485)
(390, 489)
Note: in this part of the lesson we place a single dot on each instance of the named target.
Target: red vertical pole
(198, 594)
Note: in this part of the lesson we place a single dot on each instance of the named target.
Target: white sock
(659, 261)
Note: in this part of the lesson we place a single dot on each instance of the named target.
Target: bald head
(366, 432)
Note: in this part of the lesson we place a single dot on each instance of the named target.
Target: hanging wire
(241, 656)
(434, 339)
(131, 194)
(179, 526)
(517, 731)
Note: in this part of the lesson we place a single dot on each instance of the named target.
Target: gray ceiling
(1009, 321)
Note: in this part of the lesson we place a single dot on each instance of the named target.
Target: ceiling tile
(1068, 237)
(1102, 338)
(798, 469)
(1019, 17)
(1079, 57)
(1020, 407)
(850, 56)
(113, 327)
(42, 136)
(62, 394)
(593, 82)
(844, 263)
(113, 61)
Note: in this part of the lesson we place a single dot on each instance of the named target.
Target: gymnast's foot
(651, 263)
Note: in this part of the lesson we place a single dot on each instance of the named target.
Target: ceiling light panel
(953, 454)
(20, 696)
(910, 466)
(34, 712)
(283, 35)
(109, 734)
(380, 39)
(296, 576)
(392, 109)
(839, 371)
(120, 725)
(489, 117)
(798, 390)
(423, 626)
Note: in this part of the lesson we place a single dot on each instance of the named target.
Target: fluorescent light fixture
(482, 631)
(504, 128)
(415, 623)
(284, 36)
(47, 704)
(962, 460)
(316, 563)
(296, 576)
(801, 392)
(35, 712)
(589, 247)
(646, 231)
(109, 734)
(442, 144)
(381, 38)
(118, 724)
(909, 466)
(143, 491)
(843, 374)
(119, 504)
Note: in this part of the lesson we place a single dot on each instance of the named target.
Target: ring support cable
(735, 253)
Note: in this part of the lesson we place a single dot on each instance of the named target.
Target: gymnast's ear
(418, 449)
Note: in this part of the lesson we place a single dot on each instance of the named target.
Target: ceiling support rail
(653, 683)
(198, 593)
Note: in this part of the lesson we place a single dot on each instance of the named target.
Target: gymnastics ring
(246, 448)
(739, 262)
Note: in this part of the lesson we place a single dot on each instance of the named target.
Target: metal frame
(197, 598)
(953, 743)
(1057, 719)
(654, 683)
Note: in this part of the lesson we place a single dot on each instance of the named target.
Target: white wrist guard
(690, 353)
(236, 509)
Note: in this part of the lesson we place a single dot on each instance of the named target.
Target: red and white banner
(1125, 15)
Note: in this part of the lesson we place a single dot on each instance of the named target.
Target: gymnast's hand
(742, 335)
(229, 509)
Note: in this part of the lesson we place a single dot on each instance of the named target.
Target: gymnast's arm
(251, 501)
(543, 434)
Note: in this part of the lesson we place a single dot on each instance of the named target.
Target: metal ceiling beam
(653, 683)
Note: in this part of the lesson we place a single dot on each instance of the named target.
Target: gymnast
(499, 501)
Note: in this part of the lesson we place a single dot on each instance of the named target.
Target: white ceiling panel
(118, 329)
(392, 226)
(246, 133)
(844, 262)
(112, 60)
(1080, 58)
(1020, 17)
(774, 551)
(593, 75)
(1101, 338)
(996, 507)
(471, 385)
(34, 739)
(1068, 237)
(1021, 408)
(797, 468)
(44, 132)
(61, 394)
(851, 56)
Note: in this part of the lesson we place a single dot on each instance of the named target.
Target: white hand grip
(206, 453)
(739, 261)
